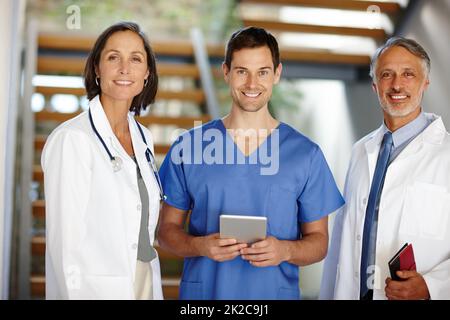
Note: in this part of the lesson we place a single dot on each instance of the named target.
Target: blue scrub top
(301, 190)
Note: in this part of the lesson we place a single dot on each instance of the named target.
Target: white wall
(323, 116)
(11, 19)
(430, 26)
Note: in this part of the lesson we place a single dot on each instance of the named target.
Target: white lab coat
(93, 213)
(414, 208)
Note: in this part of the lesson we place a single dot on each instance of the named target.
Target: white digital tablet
(245, 229)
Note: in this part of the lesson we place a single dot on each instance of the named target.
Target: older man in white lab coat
(397, 191)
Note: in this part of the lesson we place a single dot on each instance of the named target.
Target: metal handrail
(206, 78)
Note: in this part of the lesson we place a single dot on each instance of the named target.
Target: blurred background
(325, 91)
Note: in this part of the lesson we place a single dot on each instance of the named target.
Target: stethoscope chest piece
(116, 163)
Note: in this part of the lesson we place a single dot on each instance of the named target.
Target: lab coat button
(356, 274)
(358, 237)
(134, 246)
(364, 201)
(138, 207)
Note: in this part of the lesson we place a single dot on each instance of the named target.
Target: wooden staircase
(391, 9)
(65, 56)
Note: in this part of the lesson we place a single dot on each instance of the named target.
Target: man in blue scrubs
(247, 163)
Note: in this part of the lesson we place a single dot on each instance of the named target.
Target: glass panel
(64, 103)
(37, 102)
(334, 43)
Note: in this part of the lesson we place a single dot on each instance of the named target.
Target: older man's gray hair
(410, 45)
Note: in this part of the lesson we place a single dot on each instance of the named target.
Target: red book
(402, 260)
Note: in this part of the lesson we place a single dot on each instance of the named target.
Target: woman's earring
(145, 82)
(96, 82)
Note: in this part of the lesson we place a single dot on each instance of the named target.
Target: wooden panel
(385, 6)
(63, 65)
(39, 209)
(83, 43)
(65, 42)
(49, 91)
(38, 246)
(378, 34)
(54, 116)
(186, 95)
(171, 288)
(38, 174)
(39, 142)
(161, 148)
(323, 57)
(178, 69)
(59, 65)
(182, 122)
(37, 283)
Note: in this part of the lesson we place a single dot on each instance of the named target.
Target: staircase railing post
(201, 57)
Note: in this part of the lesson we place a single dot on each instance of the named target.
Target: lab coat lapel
(104, 129)
(139, 150)
(100, 120)
(372, 148)
(433, 134)
(139, 145)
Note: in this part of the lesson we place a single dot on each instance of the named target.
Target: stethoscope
(117, 162)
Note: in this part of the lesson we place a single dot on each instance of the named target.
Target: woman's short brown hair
(147, 95)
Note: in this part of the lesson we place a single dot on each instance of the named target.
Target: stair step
(39, 142)
(38, 174)
(170, 287)
(38, 245)
(319, 56)
(182, 122)
(53, 64)
(37, 283)
(59, 65)
(65, 42)
(195, 95)
(38, 208)
(389, 7)
(378, 34)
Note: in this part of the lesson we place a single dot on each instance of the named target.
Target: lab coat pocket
(281, 211)
(191, 290)
(425, 211)
(288, 294)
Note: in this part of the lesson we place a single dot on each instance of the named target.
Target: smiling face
(251, 77)
(400, 81)
(123, 67)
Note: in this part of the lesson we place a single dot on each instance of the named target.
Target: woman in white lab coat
(102, 190)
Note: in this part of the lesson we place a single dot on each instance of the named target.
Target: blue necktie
(371, 211)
